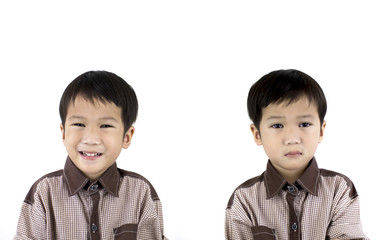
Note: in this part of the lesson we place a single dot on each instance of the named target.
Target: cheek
(312, 142)
(71, 139)
(315, 137)
(271, 139)
(113, 141)
(271, 145)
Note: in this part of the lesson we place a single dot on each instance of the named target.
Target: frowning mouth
(293, 154)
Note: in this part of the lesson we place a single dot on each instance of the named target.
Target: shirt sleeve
(237, 222)
(32, 221)
(345, 223)
(151, 223)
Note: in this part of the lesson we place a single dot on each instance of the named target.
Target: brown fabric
(127, 231)
(320, 205)
(66, 205)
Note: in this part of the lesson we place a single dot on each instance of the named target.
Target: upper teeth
(91, 154)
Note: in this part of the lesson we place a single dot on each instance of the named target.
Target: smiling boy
(94, 135)
(293, 198)
(91, 198)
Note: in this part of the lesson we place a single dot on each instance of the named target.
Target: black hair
(105, 87)
(284, 85)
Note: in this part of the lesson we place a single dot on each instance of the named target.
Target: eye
(277, 125)
(78, 124)
(305, 124)
(106, 126)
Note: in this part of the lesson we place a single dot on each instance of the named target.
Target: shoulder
(139, 180)
(337, 179)
(37, 185)
(247, 184)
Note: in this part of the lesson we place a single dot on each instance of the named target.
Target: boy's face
(94, 135)
(290, 135)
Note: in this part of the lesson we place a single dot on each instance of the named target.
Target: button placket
(94, 228)
(291, 188)
(94, 187)
(94, 216)
(294, 227)
(293, 219)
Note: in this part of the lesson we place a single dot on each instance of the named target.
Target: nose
(292, 136)
(91, 136)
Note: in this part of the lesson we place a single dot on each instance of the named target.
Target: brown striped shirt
(321, 205)
(66, 205)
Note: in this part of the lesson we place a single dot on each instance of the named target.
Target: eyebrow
(102, 118)
(298, 117)
(274, 117)
(306, 116)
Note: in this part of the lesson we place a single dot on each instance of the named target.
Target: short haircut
(284, 86)
(105, 87)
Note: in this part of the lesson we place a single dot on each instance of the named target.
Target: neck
(290, 175)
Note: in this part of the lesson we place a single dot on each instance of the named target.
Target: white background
(191, 64)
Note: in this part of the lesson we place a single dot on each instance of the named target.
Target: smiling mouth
(87, 154)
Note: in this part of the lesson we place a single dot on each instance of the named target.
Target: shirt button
(294, 227)
(94, 228)
(94, 188)
(291, 189)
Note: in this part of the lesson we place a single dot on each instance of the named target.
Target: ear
(62, 130)
(256, 135)
(322, 131)
(128, 137)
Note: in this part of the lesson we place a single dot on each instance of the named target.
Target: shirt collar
(308, 180)
(76, 180)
